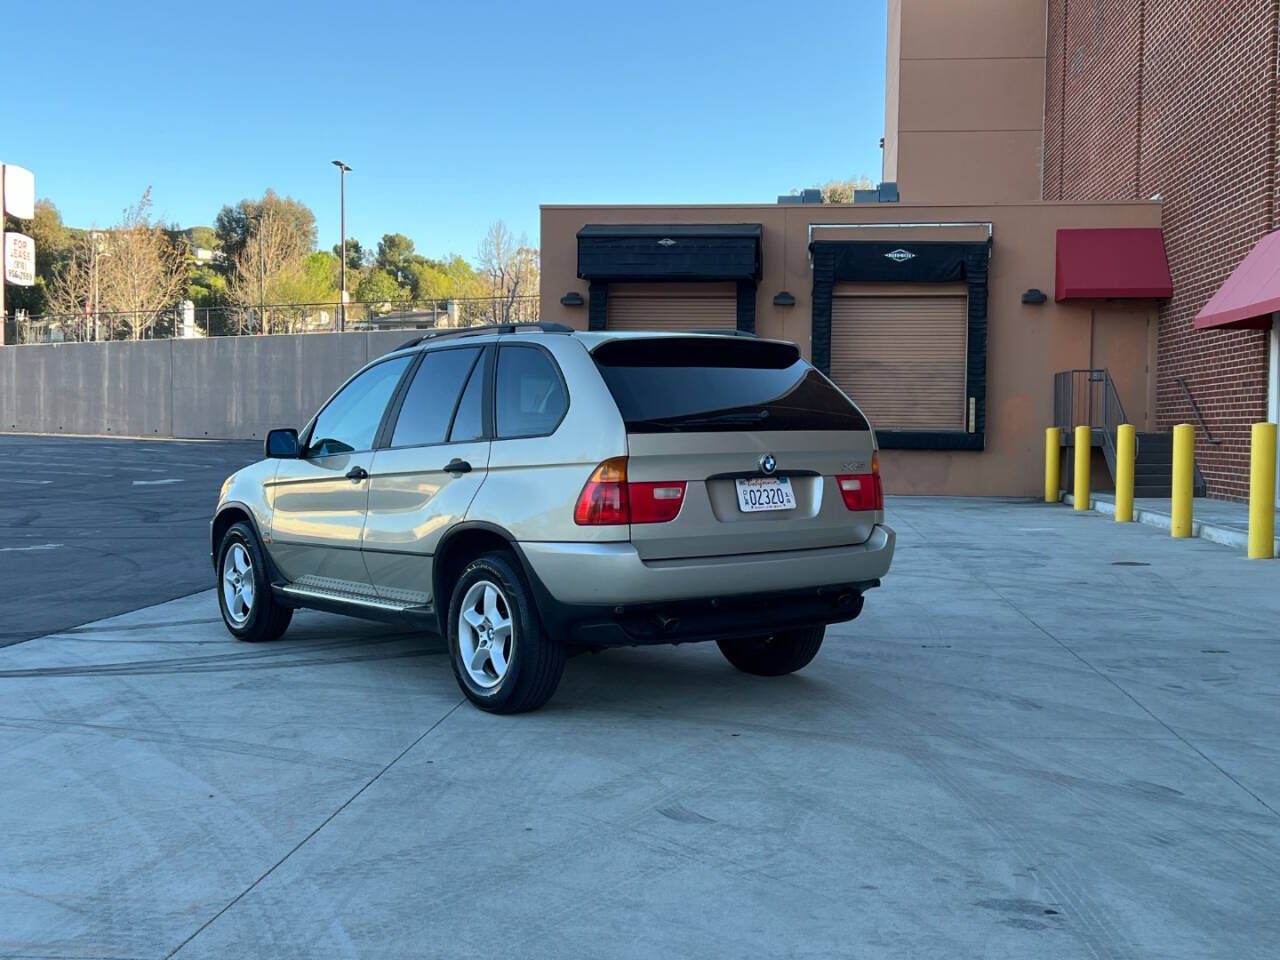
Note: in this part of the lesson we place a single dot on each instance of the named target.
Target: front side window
(433, 396)
(531, 399)
(350, 420)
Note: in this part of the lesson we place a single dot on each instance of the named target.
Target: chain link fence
(187, 320)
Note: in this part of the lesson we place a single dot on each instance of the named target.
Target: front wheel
(502, 657)
(249, 609)
(774, 654)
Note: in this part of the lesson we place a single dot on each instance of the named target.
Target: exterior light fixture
(1034, 296)
(784, 299)
(572, 299)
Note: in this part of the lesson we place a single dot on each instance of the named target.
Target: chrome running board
(305, 594)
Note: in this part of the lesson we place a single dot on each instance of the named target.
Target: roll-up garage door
(902, 359)
(672, 313)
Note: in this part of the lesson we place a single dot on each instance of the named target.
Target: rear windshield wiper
(738, 416)
(679, 423)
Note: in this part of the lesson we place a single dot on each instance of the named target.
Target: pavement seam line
(1133, 699)
(324, 823)
(78, 626)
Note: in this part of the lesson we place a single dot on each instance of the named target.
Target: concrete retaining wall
(228, 388)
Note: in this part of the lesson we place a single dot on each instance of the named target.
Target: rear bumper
(603, 594)
(613, 573)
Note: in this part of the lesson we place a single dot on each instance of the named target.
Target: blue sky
(451, 114)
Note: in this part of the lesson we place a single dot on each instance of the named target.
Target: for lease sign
(19, 259)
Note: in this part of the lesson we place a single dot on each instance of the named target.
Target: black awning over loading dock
(681, 252)
(685, 251)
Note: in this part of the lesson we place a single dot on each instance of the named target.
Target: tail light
(603, 499)
(656, 502)
(863, 491)
(607, 498)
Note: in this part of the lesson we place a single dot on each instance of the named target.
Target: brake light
(603, 500)
(863, 491)
(607, 498)
(656, 502)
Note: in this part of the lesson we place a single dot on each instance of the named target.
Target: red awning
(1115, 263)
(1251, 294)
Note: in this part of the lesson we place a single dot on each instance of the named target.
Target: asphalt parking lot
(1048, 736)
(91, 527)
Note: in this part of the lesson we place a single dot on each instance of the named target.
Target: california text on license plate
(766, 493)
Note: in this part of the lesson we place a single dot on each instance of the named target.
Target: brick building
(1119, 153)
(1177, 98)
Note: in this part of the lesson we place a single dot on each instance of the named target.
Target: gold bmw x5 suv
(530, 491)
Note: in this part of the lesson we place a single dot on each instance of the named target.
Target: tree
(235, 226)
(205, 238)
(140, 273)
(511, 267)
(355, 254)
(841, 191)
(395, 254)
(70, 293)
(144, 273)
(378, 286)
(314, 280)
(267, 268)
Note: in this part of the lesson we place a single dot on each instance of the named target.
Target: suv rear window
(672, 384)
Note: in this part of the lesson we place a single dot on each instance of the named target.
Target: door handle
(457, 466)
(357, 473)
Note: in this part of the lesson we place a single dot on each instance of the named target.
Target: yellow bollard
(1126, 451)
(1262, 492)
(1052, 464)
(1081, 454)
(1184, 455)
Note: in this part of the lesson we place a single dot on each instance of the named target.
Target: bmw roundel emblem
(767, 463)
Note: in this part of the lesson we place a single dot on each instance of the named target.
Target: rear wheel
(502, 657)
(774, 654)
(249, 609)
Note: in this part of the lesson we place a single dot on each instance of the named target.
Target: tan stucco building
(945, 312)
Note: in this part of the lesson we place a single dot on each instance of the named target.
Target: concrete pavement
(1048, 736)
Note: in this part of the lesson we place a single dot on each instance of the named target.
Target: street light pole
(262, 284)
(343, 170)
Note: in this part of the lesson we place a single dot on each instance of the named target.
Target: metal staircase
(1089, 398)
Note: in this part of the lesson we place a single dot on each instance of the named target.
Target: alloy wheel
(237, 584)
(486, 634)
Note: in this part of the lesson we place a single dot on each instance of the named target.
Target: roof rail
(728, 333)
(543, 326)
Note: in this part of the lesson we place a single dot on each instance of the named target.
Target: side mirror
(281, 444)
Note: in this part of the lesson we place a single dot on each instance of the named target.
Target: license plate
(766, 493)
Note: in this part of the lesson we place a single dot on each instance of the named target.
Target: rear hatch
(761, 442)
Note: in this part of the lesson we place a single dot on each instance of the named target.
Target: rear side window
(432, 397)
(468, 422)
(531, 398)
(713, 385)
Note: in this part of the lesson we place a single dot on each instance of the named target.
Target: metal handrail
(1097, 406)
(1195, 408)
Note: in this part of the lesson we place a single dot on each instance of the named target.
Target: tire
(775, 654)
(514, 665)
(252, 615)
